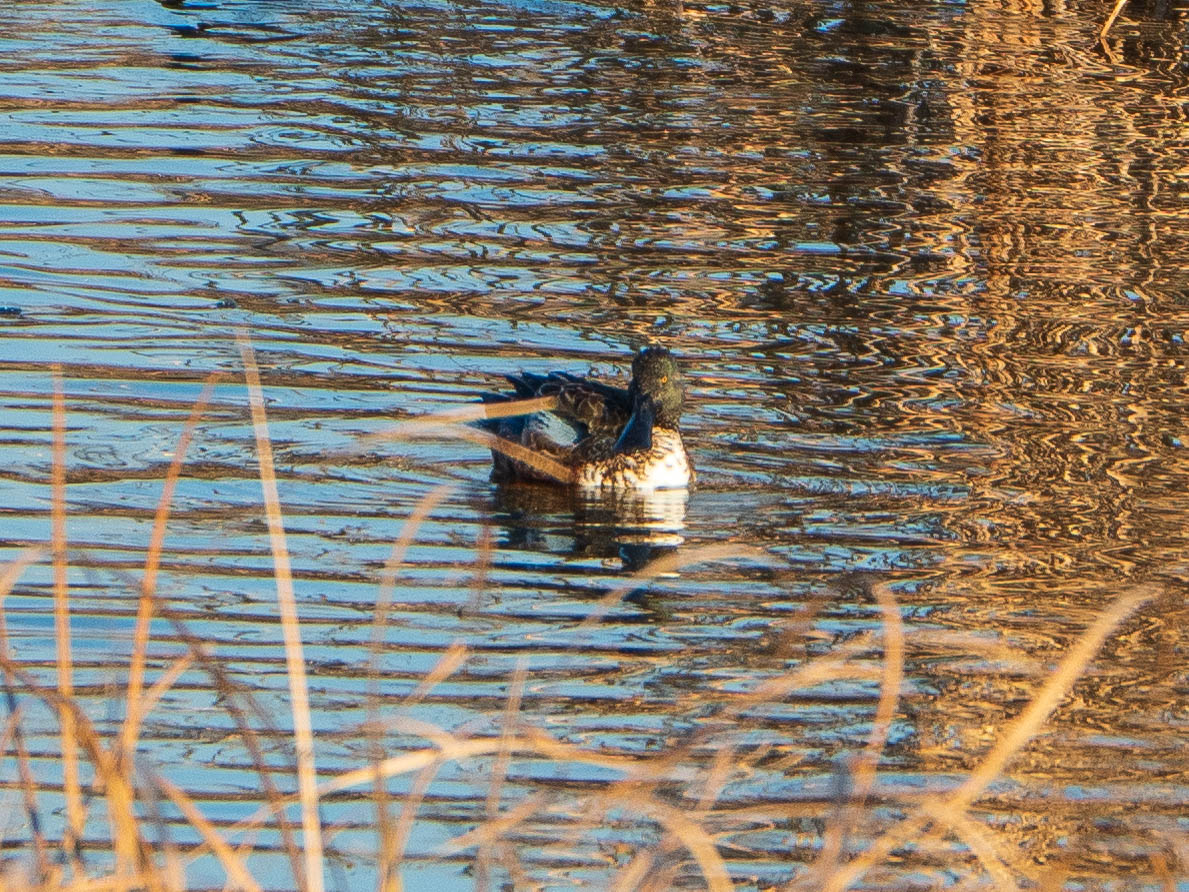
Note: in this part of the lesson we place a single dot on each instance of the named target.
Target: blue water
(923, 263)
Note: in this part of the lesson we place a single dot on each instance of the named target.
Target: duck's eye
(664, 379)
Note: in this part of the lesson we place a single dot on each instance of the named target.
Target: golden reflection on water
(925, 269)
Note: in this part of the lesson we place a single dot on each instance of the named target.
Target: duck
(595, 435)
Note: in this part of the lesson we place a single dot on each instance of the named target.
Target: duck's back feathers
(605, 436)
(601, 409)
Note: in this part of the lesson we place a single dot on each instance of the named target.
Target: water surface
(924, 264)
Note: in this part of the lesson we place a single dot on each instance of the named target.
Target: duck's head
(655, 374)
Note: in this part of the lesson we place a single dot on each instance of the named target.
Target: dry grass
(676, 789)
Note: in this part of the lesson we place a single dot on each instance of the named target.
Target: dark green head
(655, 374)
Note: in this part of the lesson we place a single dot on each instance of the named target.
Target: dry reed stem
(829, 667)
(1160, 867)
(449, 749)
(1049, 698)
(229, 693)
(695, 839)
(540, 463)
(75, 810)
(499, 769)
(420, 786)
(452, 421)
(92, 884)
(632, 876)
(716, 779)
(399, 841)
(28, 787)
(167, 680)
(412, 525)
(10, 729)
(148, 588)
(489, 832)
(865, 767)
(116, 788)
(400, 548)
(988, 851)
(953, 806)
(482, 568)
(14, 569)
(434, 421)
(233, 864)
(651, 771)
(303, 737)
(172, 876)
(12, 572)
(889, 689)
(386, 868)
(1109, 23)
(681, 828)
(453, 657)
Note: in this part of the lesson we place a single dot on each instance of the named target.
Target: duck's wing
(601, 409)
(544, 434)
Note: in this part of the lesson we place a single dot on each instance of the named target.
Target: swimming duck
(600, 436)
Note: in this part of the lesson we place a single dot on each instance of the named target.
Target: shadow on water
(924, 265)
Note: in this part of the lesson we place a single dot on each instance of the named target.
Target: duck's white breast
(665, 466)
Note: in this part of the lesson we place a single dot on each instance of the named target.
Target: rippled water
(925, 265)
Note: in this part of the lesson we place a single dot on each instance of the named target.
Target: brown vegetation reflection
(923, 623)
(677, 800)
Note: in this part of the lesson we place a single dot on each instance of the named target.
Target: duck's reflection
(635, 527)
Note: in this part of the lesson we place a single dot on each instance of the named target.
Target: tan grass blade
(72, 790)
(148, 587)
(1109, 23)
(237, 871)
(452, 421)
(1051, 694)
(849, 811)
(633, 876)
(303, 738)
(460, 415)
(388, 857)
(691, 835)
(489, 832)
(398, 842)
(985, 847)
(28, 787)
(499, 770)
(400, 548)
(167, 680)
(453, 657)
(952, 807)
(230, 694)
(115, 785)
(16, 567)
(889, 689)
(12, 572)
(542, 464)
(451, 749)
